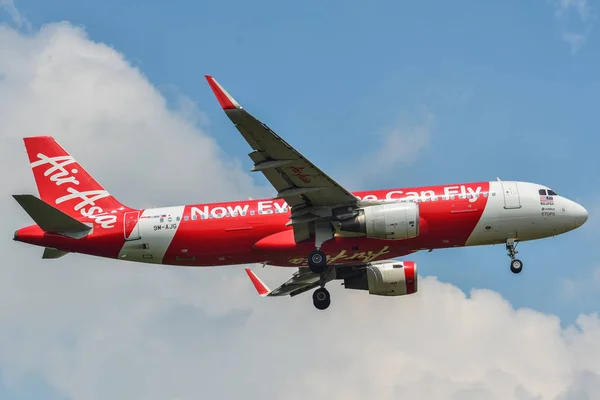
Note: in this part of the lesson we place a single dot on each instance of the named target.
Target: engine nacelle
(385, 221)
(386, 279)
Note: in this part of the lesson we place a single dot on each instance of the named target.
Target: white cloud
(581, 7)
(399, 145)
(581, 288)
(575, 18)
(98, 329)
(17, 18)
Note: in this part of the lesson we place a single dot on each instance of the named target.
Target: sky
(381, 95)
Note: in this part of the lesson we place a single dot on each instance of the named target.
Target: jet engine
(390, 278)
(385, 221)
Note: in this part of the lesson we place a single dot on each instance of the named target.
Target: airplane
(312, 224)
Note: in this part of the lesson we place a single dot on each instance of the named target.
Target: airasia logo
(58, 173)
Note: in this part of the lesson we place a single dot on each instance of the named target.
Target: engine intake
(385, 221)
(386, 279)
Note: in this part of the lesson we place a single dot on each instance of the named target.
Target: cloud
(575, 19)
(581, 288)
(399, 145)
(97, 329)
(19, 20)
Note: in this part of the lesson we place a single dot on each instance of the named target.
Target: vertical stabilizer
(63, 183)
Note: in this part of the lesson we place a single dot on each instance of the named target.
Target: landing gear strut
(516, 265)
(317, 262)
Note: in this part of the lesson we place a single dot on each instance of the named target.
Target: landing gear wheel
(317, 262)
(321, 298)
(516, 266)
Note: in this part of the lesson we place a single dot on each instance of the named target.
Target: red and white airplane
(313, 223)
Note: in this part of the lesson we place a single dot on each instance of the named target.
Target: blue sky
(505, 91)
(501, 88)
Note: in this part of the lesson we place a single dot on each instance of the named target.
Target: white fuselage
(517, 210)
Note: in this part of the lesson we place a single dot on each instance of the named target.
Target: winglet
(225, 99)
(261, 288)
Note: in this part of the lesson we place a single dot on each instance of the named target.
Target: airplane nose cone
(581, 215)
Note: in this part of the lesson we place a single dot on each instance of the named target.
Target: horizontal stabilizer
(50, 252)
(51, 219)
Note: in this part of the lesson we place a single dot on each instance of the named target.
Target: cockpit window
(542, 192)
(551, 193)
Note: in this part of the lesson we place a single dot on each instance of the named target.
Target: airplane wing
(309, 192)
(300, 282)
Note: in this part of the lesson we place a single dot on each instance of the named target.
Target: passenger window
(542, 192)
(552, 193)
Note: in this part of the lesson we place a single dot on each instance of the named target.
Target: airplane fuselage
(255, 231)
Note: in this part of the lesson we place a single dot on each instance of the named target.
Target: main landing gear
(516, 265)
(317, 262)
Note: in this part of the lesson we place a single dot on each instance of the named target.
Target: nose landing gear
(516, 265)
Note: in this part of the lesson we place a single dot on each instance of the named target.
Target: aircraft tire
(317, 261)
(516, 266)
(321, 298)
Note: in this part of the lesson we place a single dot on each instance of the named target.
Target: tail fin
(63, 183)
